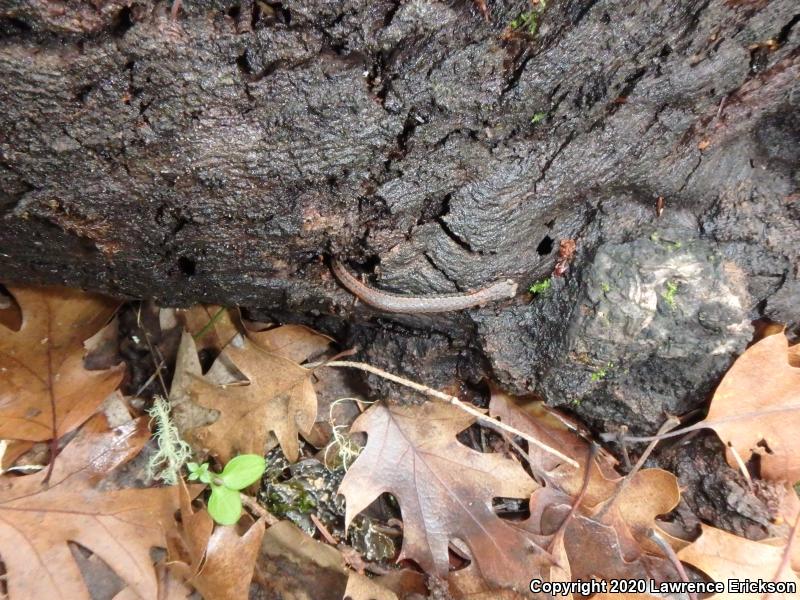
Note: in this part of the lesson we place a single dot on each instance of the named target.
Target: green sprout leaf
(538, 117)
(242, 471)
(200, 472)
(540, 287)
(224, 505)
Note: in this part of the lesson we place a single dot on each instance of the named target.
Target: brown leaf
(118, 526)
(298, 567)
(539, 421)
(278, 397)
(295, 342)
(211, 326)
(607, 537)
(724, 556)
(45, 391)
(649, 493)
(219, 565)
(444, 489)
(361, 587)
(762, 378)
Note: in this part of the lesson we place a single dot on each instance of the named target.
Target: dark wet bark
(225, 154)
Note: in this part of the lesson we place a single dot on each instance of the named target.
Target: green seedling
(225, 504)
(605, 287)
(540, 287)
(538, 118)
(529, 20)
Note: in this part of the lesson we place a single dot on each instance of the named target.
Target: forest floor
(133, 466)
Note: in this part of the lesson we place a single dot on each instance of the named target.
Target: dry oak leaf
(295, 342)
(724, 556)
(216, 561)
(646, 495)
(762, 378)
(594, 549)
(553, 429)
(444, 489)
(45, 391)
(278, 396)
(120, 527)
(211, 326)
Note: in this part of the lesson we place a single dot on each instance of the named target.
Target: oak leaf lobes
(45, 391)
(762, 378)
(444, 489)
(277, 397)
(120, 527)
(724, 556)
(217, 561)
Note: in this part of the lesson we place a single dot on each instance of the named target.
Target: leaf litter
(584, 518)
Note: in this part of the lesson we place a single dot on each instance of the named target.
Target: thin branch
(587, 476)
(258, 510)
(611, 437)
(423, 389)
(668, 424)
(673, 558)
(787, 555)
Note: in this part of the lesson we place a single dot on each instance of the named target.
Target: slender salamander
(398, 303)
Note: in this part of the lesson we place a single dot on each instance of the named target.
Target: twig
(587, 476)
(671, 422)
(153, 351)
(323, 530)
(787, 554)
(259, 510)
(742, 467)
(673, 558)
(487, 421)
(610, 437)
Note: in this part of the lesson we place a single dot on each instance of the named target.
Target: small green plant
(538, 117)
(605, 287)
(602, 372)
(669, 295)
(225, 505)
(529, 20)
(540, 287)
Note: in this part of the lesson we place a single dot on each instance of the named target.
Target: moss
(540, 287)
(528, 21)
(538, 118)
(602, 372)
(669, 295)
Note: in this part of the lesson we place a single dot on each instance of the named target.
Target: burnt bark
(224, 151)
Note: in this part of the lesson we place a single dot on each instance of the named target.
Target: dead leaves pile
(261, 392)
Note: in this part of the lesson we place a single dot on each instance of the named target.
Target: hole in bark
(784, 32)
(545, 246)
(122, 22)
(244, 64)
(18, 24)
(83, 93)
(665, 51)
(234, 11)
(187, 265)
